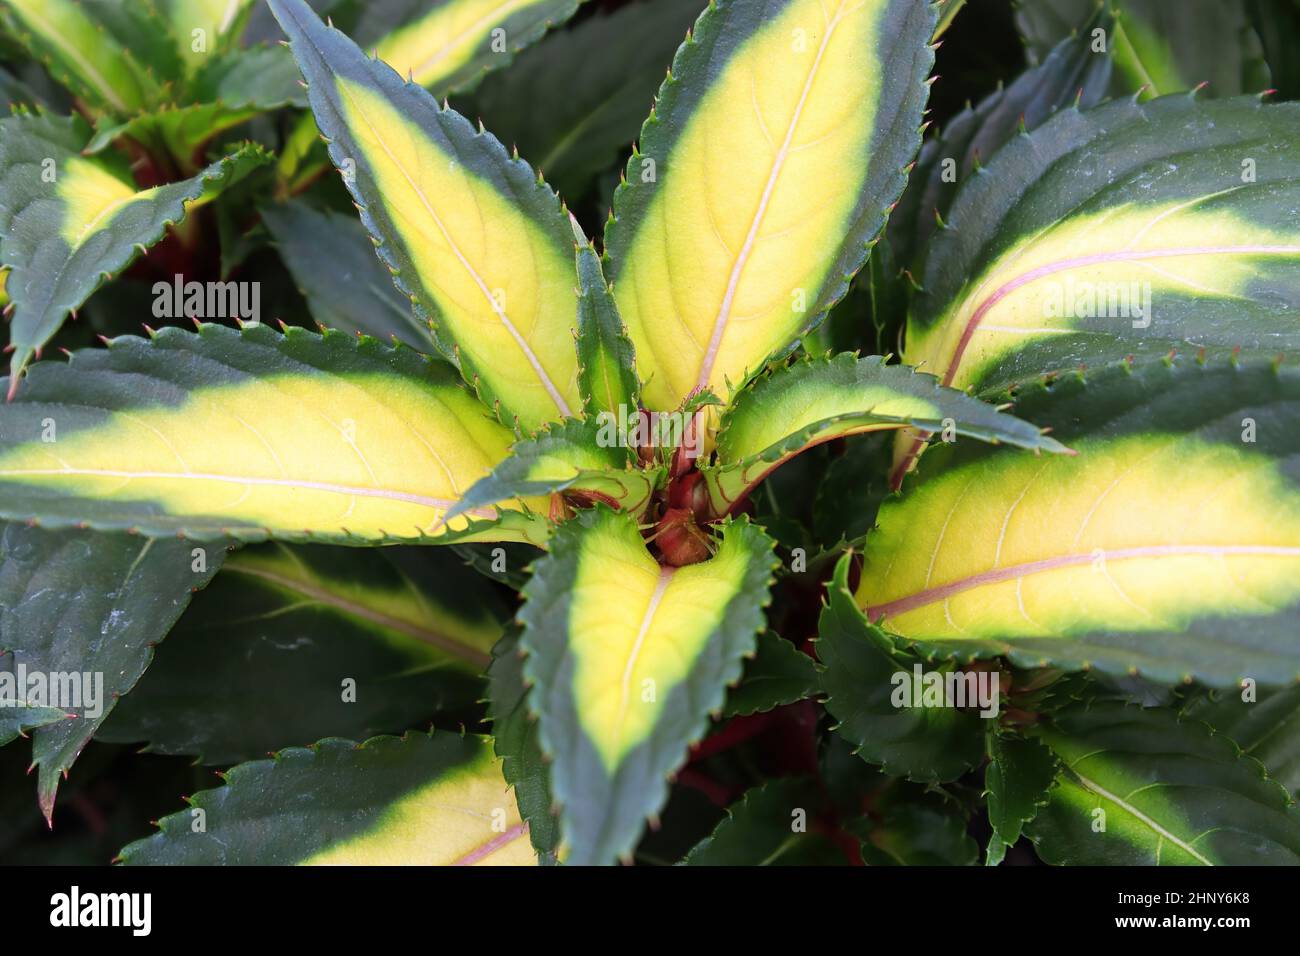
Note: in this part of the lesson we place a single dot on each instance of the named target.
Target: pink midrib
(1078, 262)
(997, 575)
(293, 483)
(1064, 265)
(491, 846)
(723, 317)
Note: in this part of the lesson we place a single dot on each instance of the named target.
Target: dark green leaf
(910, 829)
(573, 103)
(862, 677)
(1278, 24)
(1159, 47)
(17, 717)
(333, 263)
(1267, 727)
(772, 825)
(1020, 772)
(295, 643)
(516, 741)
(850, 493)
(89, 604)
(1144, 787)
(778, 673)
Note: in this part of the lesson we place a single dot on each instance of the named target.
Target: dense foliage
(836, 474)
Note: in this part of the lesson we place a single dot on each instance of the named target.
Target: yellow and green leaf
(482, 246)
(115, 57)
(1144, 787)
(1168, 545)
(582, 460)
(68, 220)
(627, 660)
(250, 434)
(1070, 73)
(795, 407)
(1131, 229)
(419, 800)
(775, 150)
(258, 657)
(450, 44)
(447, 46)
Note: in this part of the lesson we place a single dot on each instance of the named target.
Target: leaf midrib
(401, 625)
(1096, 788)
(491, 846)
(927, 596)
(299, 484)
(1064, 265)
(723, 317)
(647, 620)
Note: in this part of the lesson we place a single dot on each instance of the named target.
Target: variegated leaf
(627, 660)
(429, 800)
(576, 458)
(1168, 546)
(454, 216)
(1129, 229)
(794, 408)
(68, 221)
(776, 147)
(1142, 787)
(116, 57)
(251, 434)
